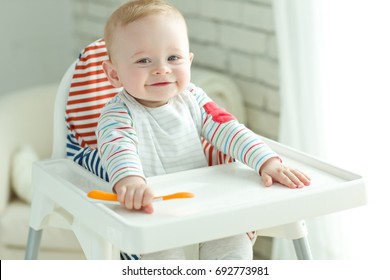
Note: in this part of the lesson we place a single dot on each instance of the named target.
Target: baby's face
(152, 58)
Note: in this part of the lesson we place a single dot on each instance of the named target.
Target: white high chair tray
(229, 199)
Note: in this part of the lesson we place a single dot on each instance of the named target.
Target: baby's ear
(111, 73)
(191, 57)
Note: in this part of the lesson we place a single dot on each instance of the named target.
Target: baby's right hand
(134, 194)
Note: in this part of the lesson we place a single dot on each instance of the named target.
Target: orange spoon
(106, 196)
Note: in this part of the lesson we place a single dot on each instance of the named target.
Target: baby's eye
(144, 61)
(173, 58)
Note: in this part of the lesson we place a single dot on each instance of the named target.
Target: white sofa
(26, 123)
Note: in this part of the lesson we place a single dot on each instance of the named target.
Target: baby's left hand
(274, 171)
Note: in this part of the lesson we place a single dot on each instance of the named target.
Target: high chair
(229, 197)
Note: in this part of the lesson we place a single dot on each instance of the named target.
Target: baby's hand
(134, 194)
(274, 171)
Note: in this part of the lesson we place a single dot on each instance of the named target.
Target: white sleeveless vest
(168, 136)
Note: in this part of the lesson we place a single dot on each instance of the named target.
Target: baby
(155, 124)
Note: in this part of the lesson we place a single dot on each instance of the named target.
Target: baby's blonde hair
(132, 11)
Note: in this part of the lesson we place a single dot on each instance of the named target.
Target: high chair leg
(302, 249)
(297, 232)
(41, 207)
(33, 243)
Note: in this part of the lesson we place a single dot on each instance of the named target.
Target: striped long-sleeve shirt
(135, 140)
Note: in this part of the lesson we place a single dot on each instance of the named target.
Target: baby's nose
(162, 69)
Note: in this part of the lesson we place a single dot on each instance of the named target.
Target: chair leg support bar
(33, 243)
(302, 249)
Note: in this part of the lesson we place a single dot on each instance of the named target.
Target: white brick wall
(234, 37)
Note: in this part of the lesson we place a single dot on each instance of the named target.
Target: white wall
(36, 42)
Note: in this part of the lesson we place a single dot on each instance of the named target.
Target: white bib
(168, 136)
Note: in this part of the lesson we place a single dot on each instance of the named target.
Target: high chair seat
(61, 186)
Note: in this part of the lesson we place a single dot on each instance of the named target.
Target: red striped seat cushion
(89, 91)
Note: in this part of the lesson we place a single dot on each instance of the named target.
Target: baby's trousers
(238, 247)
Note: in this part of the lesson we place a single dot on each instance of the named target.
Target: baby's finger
(148, 197)
(147, 201)
(267, 179)
(287, 180)
(138, 198)
(302, 177)
(129, 199)
(121, 192)
(294, 179)
(148, 208)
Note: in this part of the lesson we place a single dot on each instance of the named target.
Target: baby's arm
(117, 145)
(134, 193)
(224, 132)
(247, 147)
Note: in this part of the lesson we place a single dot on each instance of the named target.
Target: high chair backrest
(82, 93)
(89, 91)
(59, 126)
